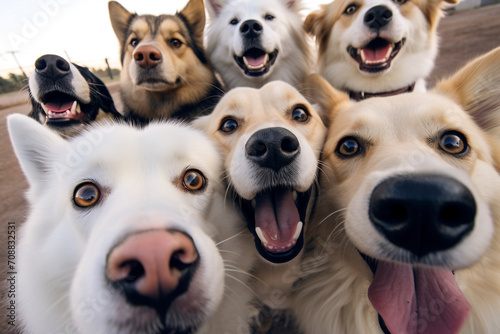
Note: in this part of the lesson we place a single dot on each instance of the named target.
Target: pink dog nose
(153, 267)
(147, 56)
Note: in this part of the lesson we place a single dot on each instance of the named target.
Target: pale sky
(78, 28)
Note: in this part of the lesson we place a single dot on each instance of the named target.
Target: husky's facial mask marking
(66, 96)
(165, 72)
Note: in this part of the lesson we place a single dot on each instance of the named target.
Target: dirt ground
(463, 35)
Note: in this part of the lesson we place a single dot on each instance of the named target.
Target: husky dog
(271, 139)
(165, 72)
(128, 233)
(406, 239)
(66, 97)
(376, 47)
(253, 42)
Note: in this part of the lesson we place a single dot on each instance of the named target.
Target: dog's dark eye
(351, 9)
(453, 142)
(175, 43)
(348, 147)
(134, 42)
(400, 2)
(234, 22)
(86, 194)
(299, 114)
(269, 17)
(193, 180)
(228, 125)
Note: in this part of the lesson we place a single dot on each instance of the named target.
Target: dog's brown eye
(269, 17)
(351, 9)
(193, 180)
(453, 142)
(234, 22)
(400, 2)
(300, 115)
(134, 42)
(175, 43)
(86, 194)
(348, 147)
(228, 125)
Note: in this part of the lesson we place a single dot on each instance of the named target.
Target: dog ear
(120, 19)
(34, 145)
(214, 7)
(194, 12)
(330, 100)
(316, 25)
(293, 5)
(476, 88)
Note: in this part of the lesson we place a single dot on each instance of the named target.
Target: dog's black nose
(251, 28)
(52, 66)
(272, 147)
(378, 17)
(423, 213)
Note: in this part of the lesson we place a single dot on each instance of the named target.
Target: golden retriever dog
(271, 140)
(406, 237)
(376, 47)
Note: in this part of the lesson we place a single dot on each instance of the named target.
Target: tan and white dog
(376, 47)
(406, 239)
(165, 72)
(271, 140)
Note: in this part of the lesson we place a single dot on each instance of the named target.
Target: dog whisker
(230, 238)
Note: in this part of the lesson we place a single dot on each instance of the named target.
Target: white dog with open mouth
(253, 42)
(122, 232)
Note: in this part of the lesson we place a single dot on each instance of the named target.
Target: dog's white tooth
(245, 61)
(362, 54)
(388, 54)
(261, 236)
(298, 230)
(78, 108)
(73, 107)
(45, 108)
(266, 58)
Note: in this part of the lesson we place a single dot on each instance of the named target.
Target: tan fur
(399, 133)
(186, 80)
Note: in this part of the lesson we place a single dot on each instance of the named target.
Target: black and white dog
(65, 97)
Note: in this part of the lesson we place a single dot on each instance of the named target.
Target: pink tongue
(418, 300)
(376, 54)
(259, 61)
(277, 216)
(59, 106)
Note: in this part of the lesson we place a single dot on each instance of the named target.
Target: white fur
(63, 249)
(412, 65)
(283, 33)
(80, 85)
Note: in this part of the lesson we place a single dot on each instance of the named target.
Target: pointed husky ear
(214, 7)
(194, 12)
(330, 100)
(476, 88)
(34, 145)
(120, 19)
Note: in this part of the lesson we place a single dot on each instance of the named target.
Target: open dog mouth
(416, 299)
(276, 218)
(377, 55)
(256, 62)
(61, 108)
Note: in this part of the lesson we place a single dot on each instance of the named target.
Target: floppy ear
(194, 12)
(476, 88)
(316, 25)
(330, 100)
(120, 19)
(34, 145)
(214, 7)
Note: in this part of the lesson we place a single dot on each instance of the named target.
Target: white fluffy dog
(122, 232)
(253, 42)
